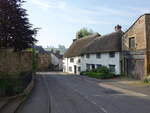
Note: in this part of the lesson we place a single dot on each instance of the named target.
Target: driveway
(60, 93)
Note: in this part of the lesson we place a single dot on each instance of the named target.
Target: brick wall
(13, 63)
(44, 60)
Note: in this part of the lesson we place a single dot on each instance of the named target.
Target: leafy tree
(15, 30)
(83, 32)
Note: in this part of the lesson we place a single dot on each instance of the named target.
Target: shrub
(102, 69)
(147, 79)
(99, 73)
(9, 87)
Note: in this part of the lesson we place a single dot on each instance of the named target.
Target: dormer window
(132, 44)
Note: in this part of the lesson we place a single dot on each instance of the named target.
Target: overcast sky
(60, 19)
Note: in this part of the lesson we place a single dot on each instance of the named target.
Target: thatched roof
(106, 43)
(96, 44)
(78, 46)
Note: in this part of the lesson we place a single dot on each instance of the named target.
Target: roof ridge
(90, 36)
(104, 36)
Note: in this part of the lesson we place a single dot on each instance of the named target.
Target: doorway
(75, 69)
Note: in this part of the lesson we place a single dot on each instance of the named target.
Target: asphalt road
(56, 93)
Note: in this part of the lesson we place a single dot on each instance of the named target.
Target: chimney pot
(118, 28)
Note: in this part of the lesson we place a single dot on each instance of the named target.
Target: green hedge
(12, 86)
(99, 73)
(147, 79)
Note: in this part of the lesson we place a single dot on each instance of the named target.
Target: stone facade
(13, 63)
(136, 59)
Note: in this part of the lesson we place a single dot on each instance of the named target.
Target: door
(135, 68)
(75, 69)
(93, 66)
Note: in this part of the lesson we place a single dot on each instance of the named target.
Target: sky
(59, 20)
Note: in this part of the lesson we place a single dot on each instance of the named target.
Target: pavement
(62, 93)
(129, 84)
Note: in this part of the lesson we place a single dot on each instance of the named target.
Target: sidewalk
(127, 84)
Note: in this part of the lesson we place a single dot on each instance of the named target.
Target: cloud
(113, 11)
(49, 4)
(86, 21)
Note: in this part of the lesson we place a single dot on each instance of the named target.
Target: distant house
(136, 48)
(94, 51)
(43, 59)
(57, 61)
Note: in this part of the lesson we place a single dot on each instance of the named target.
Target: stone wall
(138, 31)
(14, 63)
(135, 59)
(147, 20)
(44, 61)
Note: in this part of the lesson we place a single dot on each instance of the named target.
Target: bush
(12, 86)
(102, 69)
(147, 79)
(9, 87)
(99, 73)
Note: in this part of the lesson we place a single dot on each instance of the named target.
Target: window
(99, 65)
(79, 60)
(72, 60)
(98, 55)
(112, 68)
(87, 56)
(82, 55)
(87, 66)
(112, 54)
(79, 69)
(132, 42)
(70, 69)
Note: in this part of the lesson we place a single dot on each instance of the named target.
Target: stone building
(136, 48)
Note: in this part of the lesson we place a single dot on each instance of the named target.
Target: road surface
(57, 93)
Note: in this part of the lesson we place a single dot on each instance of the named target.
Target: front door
(75, 69)
(93, 66)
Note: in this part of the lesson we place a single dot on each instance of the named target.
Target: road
(57, 93)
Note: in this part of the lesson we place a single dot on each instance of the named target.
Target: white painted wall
(105, 60)
(67, 64)
(56, 61)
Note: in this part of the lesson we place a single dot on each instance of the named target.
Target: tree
(83, 32)
(15, 30)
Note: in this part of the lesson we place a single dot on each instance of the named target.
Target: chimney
(118, 28)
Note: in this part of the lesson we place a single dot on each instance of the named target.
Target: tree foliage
(83, 32)
(15, 30)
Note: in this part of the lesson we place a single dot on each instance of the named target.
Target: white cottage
(94, 51)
